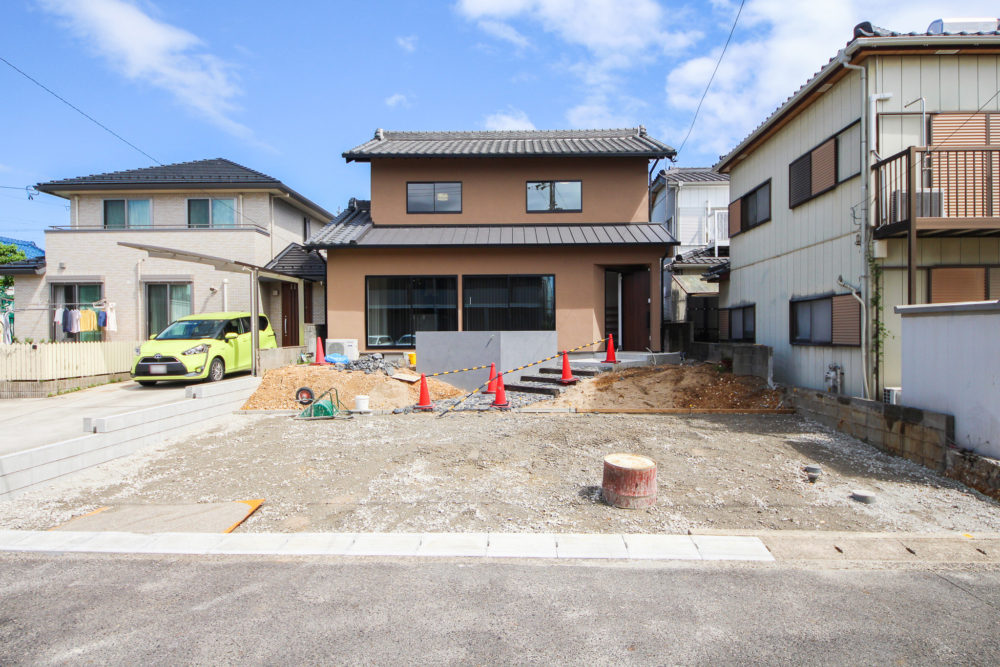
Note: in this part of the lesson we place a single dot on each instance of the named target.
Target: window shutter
(734, 216)
(800, 180)
(723, 325)
(994, 291)
(846, 320)
(958, 284)
(952, 130)
(824, 167)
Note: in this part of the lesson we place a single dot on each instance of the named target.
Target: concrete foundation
(439, 351)
(747, 358)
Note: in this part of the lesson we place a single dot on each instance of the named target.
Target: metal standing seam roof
(692, 175)
(298, 261)
(215, 173)
(624, 142)
(865, 36)
(354, 228)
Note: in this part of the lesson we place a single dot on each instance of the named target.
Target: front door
(635, 310)
(289, 314)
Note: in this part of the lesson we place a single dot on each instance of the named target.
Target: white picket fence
(56, 361)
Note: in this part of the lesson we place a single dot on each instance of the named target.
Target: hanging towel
(57, 317)
(112, 319)
(67, 320)
(75, 317)
(102, 318)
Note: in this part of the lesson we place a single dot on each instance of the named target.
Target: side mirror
(231, 335)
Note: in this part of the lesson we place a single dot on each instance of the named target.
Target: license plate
(157, 369)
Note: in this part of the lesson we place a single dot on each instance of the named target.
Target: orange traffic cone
(320, 359)
(425, 396)
(567, 374)
(491, 388)
(500, 400)
(610, 359)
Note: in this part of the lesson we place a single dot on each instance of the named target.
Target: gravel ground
(522, 472)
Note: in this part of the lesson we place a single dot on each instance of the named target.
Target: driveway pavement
(32, 422)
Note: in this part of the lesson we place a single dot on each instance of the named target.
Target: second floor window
(750, 210)
(434, 197)
(127, 213)
(555, 196)
(220, 212)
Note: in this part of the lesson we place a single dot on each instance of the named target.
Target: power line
(77, 109)
(712, 78)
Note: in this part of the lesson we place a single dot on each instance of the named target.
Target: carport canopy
(223, 264)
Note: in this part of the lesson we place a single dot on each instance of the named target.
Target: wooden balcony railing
(939, 188)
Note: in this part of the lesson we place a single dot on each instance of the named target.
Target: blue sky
(285, 88)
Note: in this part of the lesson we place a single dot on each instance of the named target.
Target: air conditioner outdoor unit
(345, 346)
(928, 205)
(892, 395)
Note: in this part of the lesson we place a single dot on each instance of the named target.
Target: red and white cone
(500, 400)
(425, 396)
(567, 372)
(611, 359)
(491, 388)
(320, 359)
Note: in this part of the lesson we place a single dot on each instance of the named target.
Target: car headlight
(197, 349)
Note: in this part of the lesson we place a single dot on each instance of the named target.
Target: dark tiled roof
(31, 266)
(865, 35)
(295, 260)
(354, 228)
(693, 175)
(717, 273)
(29, 249)
(704, 256)
(216, 173)
(516, 143)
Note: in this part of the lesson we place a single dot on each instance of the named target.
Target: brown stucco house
(499, 231)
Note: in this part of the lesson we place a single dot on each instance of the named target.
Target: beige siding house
(876, 181)
(212, 207)
(499, 231)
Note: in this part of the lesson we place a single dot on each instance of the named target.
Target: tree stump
(629, 481)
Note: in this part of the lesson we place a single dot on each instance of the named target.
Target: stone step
(579, 372)
(545, 379)
(532, 388)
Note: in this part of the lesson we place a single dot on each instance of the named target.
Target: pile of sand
(685, 386)
(277, 389)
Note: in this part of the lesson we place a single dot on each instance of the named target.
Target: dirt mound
(277, 389)
(687, 386)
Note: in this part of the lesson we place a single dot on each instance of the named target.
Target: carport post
(255, 322)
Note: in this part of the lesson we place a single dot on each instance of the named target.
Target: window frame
(461, 198)
(749, 306)
(553, 181)
(792, 322)
(836, 167)
(104, 212)
(211, 216)
(169, 284)
(55, 329)
(744, 227)
(409, 298)
(508, 276)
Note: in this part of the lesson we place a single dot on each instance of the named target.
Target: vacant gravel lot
(522, 472)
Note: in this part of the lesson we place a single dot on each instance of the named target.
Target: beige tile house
(213, 207)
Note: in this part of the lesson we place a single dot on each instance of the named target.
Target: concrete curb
(425, 545)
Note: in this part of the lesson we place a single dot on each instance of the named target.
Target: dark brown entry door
(635, 310)
(289, 314)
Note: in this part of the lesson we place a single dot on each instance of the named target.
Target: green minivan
(200, 347)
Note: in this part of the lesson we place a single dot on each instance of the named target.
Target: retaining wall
(44, 388)
(922, 436)
(748, 358)
(282, 356)
(439, 351)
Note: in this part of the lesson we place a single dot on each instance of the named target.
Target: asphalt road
(139, 610)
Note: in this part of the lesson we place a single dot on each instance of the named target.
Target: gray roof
(717, 272)
(692, 175)
(354, 228)
(512, 143)
(298, 261)
(24, 267)
(700, 256)
(866, 36)
(213, 174)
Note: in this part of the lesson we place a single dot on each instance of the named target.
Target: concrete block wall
(747, 358)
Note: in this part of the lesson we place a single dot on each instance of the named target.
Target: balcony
(159, 228)
(938, 192)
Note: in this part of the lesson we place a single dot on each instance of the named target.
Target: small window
(165, 304)
(400, 306)
(752, 209)
(738, 325)
(509, 303)
(127, 213)
(434, 197)
(826, 166)
(555, 196)
(204, 213)
(830, 320)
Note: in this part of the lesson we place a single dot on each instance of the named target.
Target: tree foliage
(9, 253)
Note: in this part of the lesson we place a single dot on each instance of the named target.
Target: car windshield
(191, 330)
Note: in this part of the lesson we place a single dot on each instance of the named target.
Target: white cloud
(5, 168)
(511, 119)
(397, 100)
(615, 38)
(407, 43)
(504, 31)
(777, 47)
(154, 52)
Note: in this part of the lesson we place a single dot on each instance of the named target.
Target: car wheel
(146, 383)
(217, 370)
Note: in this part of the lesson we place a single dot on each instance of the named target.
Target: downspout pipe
(856, 293)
